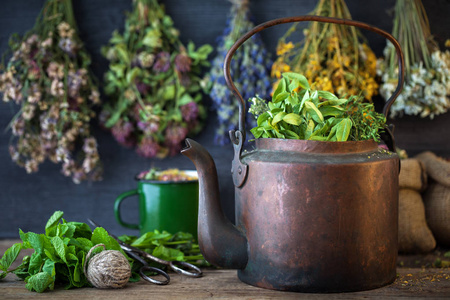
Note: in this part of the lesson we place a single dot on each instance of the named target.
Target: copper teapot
(311, 216)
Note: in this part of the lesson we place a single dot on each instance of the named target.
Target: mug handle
(117, 203)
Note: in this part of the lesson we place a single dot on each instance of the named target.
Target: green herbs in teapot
(296, 111)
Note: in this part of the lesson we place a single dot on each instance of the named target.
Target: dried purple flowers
(250, 66)
(48, 77)
(153, 83)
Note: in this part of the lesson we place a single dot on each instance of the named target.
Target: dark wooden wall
(27, 201)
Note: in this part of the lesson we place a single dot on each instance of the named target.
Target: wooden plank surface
(414, 283)
(224, 284)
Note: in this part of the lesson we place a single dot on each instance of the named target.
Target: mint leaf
(168, 253)
(36, 262)
(81, 230)
(23, 236)
(77, 273)
(150, 239)
(81, 244)
(61, 229)
(81, 262)
(70, 257)
(39, 282)
(36, 241)
(49, 268)
(71, 228)
(51, 254)
(60, 247)
(50, 227)
(10, 256)
(22, 270)
(101, 236)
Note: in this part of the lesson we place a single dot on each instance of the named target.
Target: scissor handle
(197, 272)
(152, 280)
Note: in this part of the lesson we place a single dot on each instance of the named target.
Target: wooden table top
(417, 283)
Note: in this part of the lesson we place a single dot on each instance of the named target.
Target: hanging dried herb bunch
(48, 77)
(251, 65)
(153, 83)
(427, 69)
(333, 57)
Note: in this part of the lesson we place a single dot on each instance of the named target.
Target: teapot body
(319, 216)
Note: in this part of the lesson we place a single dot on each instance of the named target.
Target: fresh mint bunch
(299, 112)
(59, 254)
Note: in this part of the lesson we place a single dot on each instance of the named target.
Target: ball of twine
(107, 269)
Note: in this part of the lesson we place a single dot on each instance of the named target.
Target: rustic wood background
(28, 200)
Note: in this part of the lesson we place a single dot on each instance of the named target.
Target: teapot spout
(221, 243)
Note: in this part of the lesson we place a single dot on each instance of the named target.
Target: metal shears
(141, 256)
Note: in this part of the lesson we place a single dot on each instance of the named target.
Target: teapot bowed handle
(226, 68)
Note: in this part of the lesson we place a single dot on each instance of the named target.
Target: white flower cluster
(426, 91)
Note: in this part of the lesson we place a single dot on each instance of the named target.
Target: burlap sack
(414, 236)
(436, 167)
(437, 208)
(412, 175)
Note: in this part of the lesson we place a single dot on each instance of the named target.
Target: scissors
(141, 255)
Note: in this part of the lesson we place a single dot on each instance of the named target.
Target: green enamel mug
(171, 206)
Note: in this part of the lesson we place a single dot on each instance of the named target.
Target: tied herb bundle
(48, 77)
(299, 112)
(250, 66)
(331, 56)
(59, 254)
(153, 83)
(427, 69)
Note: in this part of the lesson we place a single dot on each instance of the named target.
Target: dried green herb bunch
(427, 70)
(48, 77)
(180, 246)
(299, 112)
(334, 58)
(153, 83)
